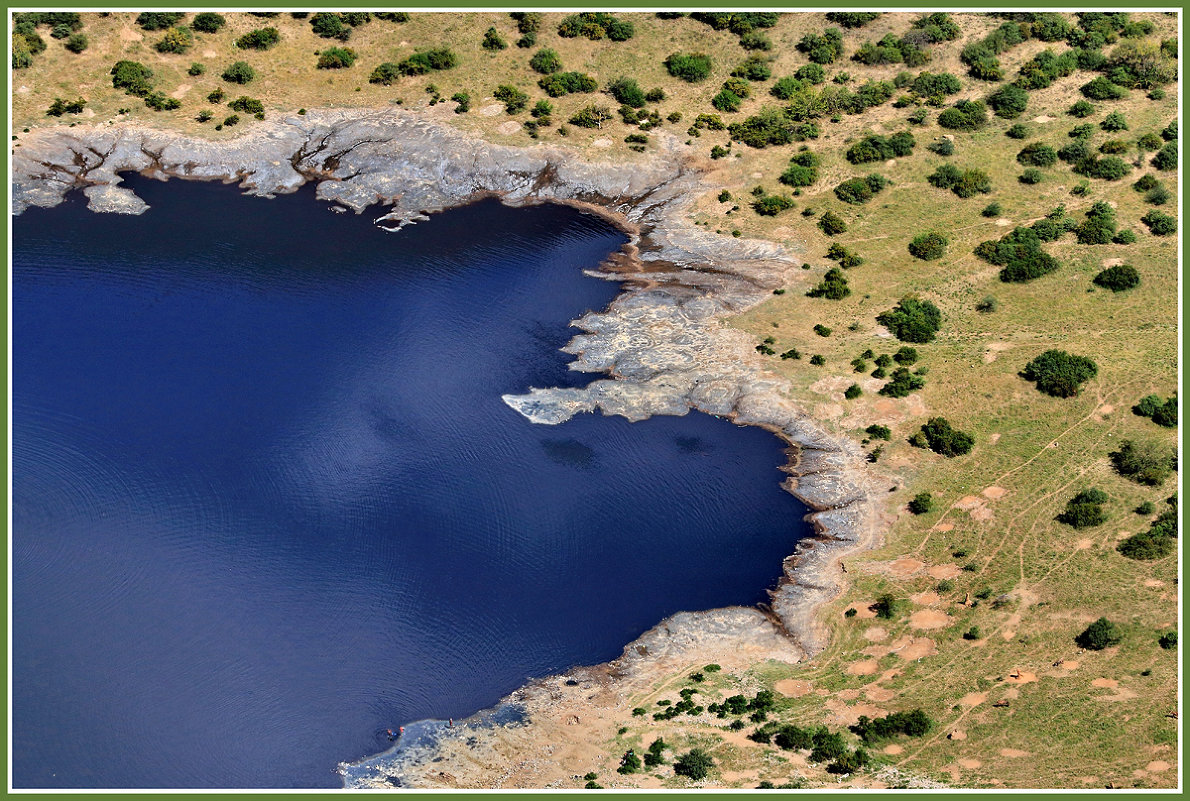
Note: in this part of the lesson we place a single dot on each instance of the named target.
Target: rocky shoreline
(663, 341)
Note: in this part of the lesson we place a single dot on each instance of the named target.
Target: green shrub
(563, 83)
(802, 170)
(1081, 109)
(629, 763)
(810, 73)
(596, 25)
(992, 210)
(336, 58)
(887, 607)
(772, 205)
(911, 724)
(1114, 122)
(1060, 374)
(385, 74)
(1166, 158)
(880, 148)
(964, 183)
(259, 39)
(824, 49)
(239, 72)
(1159, 540)
(818, 360)
(1108, 168)
(912, 320)
(905, 355)
(76, 42)
(822, 330)
(942, 439)
(879, 432)
(851, 19)
(158, 20)
(60, 107)
(1143, 462)
(860, 190)
(246, 104)
(1099, 635)
(1102, 89)
(691, 67)
(852, 392)
(831, 224)
(1031, 176)
(329, 26)
(1036, 154)
(1085, 510)
(832, 287)
(492, 40)
(424, 61)
(627, 91)
(901, 383)
(922, 503)
(233, 119)
(1009, 101)
(1160, 224)
(514, 99)
(207, 22)
(1168, 641)
(943, 147)
(846, 258)
(695, 764)
(1019, 253)
(591, 117)
(754, 68)
(1118, 278)
(928, 247)
(133, 77)
(966, 115)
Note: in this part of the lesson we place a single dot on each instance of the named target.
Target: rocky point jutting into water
(664, 343)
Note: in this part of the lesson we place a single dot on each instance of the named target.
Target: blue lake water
(267, 501)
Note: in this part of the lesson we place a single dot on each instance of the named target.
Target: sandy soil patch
(1107, 684)
(973, 699)
(944, 527)
(1013, 753)
(829, 411)
(602, 142)
(957, 734)
(916, 648)
(793, 688)
(924, 598)
(968, 502)
(865, 667)
(851, 694)
(1083, 544)
(1068, 664)
(1020, 677)
(209, 54)
(509, 128)
(892, 750)
(1003, 222)
(875, 634)
(890, 163)
(993, 439)
(981, 513)
(844, 715)
(863, 610)
(181, 91)
(876, 651)
(129, 35)
(994, 350)
(1158, 766)
(928, 619)
(970, 764)
(879, 694)
(1012, 693)
(491, 110)
(1044, 118)
(1154, 583)
(905, 567)
(994, 493)
(945, 571)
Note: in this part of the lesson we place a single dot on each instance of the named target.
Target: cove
(267, 501)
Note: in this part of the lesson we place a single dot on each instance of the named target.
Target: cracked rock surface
(664, 343)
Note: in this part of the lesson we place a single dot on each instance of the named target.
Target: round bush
(1118, 278)
(929, 247)
(690, 67)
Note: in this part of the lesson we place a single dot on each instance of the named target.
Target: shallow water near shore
(267, 501)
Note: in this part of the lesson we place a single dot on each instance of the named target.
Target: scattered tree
(1099, 635)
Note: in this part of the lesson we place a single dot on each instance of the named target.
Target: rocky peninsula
(663, 345)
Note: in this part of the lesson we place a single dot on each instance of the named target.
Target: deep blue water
(268, 502)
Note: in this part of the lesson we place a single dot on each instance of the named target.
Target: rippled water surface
(268, 502)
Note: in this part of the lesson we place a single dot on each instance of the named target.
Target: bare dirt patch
(879, 694)
(1154, 583)
(905, 567)
(850, 694)
(1107, 684)
(924, 598)
(1003, 222)
(994, 493)
(863, 610)
(968, 502)
(509, 128)
(945, 571)
(1158, 766)
(1013, 753)
(994, 350)
(1083, 544)
(865, 667)
(491, 110)
(943, 527)
(973, 699)
(957, 734)
(181, 91)
(893, 750)
(875, 634)
(929, 619)
(1044, 118)
(793, 688)
(916, 648)
(970, 764)
(1020, 677)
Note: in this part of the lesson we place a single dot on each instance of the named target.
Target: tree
(694, 764)
(330, 26)
(1144, 462)
(546, 61)
(1118, 278)
(1036, 154)
(133, 77)
(158, 20)
(802, 170)
(239, 72)
(860, 190)
(966, 115)
(928, 247)
(942, 439)
(207, 22)
(591, 117)
(493, 41)
(1166, 158)
(259, 39)
(1084, 510)
(1009, 101)
(1099, 635)
(514, 99)
(629, 763)
(1060, 374)
(690, 67)
(912, 320)
(336, 58)
(831, 224)
(1160, 224)
(833, 285)
(76, 42)
(922, 502)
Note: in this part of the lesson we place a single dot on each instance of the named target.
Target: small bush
(929, 247)
(1168, 641)
(772, 205)
(492, 40)
(1081, 109)
(1118, 278)
(336, 58)
(514, 99)
(1160, 224)
(1060, 374)
(695, 764)
(247, 105)
(207, 22)
(942, 439)
(922, 503)
(76, 42)
(1166, 159)
(259, 39)
(1102, 89)
(1031, 176)
(1036, 154)
(832, 287)
(1143, 462)
(239, 72)
(966, 115)
(852, 392)
(1009, 101)
(330, 26)
(879, 432)
(992, 210)
(860, 190)
(901, 383)
(818, 360)
(831, 224)
(1084, 510)
(133, 77)
(591, 117)
(690, 67)
(1099, 635)
(912, 320)
(158, 20)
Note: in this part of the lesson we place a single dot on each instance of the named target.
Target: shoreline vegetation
(934, 253)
